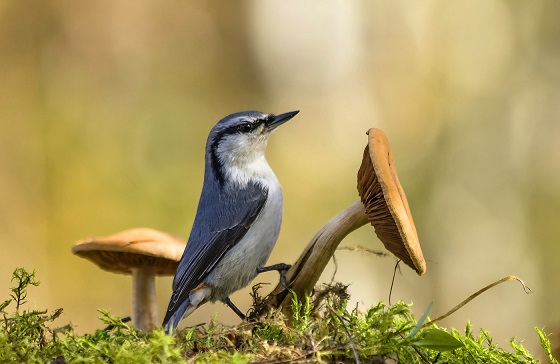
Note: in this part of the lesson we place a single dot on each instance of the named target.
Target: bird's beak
(278, 120)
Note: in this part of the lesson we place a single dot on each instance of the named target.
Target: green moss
(320, 330)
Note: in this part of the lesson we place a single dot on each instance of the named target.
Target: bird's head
(239, 140)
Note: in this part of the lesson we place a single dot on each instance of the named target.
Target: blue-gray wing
(222, 219)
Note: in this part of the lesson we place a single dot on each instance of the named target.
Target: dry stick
(397, 266)
(363, 249)
(335, 268)
(358, 248)
(350, 341)
(305, 273)
(476, 294)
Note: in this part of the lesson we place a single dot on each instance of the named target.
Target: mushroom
(142, 252)
(383, 204)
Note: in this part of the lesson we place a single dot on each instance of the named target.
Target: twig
(363, 249)
(476, 294)
(393, 280)
(350, 341)
(335, 268)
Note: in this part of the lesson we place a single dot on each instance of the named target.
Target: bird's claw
(282, 268)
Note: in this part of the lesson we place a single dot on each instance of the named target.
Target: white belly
(239, 266)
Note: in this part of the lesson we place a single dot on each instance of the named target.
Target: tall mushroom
(383, 204)
(142, 252)
(386, 204)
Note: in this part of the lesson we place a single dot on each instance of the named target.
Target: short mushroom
(142, 252)
(383, 204)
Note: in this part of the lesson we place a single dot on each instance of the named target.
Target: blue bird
(238, 217)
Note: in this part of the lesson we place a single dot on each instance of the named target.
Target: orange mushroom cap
(386, 204)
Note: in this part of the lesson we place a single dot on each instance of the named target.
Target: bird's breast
(239, 266)
(241, 172)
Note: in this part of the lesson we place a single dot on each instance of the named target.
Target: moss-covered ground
(322, 330)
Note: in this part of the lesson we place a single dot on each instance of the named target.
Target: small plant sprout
(142, 252)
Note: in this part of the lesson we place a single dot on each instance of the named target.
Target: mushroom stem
(305, 273)
(144, 301)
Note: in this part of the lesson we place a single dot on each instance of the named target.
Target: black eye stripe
(245, 128)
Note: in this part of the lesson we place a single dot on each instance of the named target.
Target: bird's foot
(282, 268)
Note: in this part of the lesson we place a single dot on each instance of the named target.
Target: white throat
(243, 160)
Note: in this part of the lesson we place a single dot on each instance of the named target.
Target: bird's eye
(245, 128)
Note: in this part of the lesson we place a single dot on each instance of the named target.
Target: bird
(238, 218)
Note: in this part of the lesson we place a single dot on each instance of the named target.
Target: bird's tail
(174, 316)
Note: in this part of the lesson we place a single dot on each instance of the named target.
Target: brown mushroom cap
(385, 202)
(131, 249)
(143, 253)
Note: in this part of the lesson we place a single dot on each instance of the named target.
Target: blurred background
(105, 107)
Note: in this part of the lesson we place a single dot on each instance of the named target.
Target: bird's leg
(123, 320)
(282, 268)
(234, 308)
